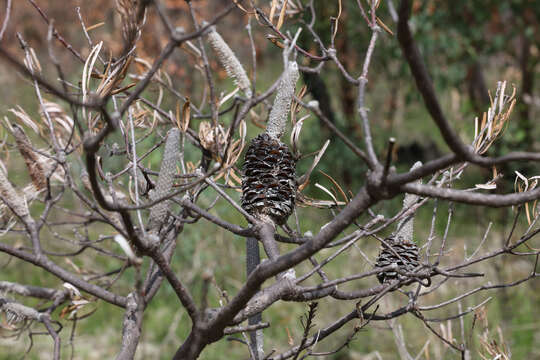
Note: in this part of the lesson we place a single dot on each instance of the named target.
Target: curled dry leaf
(73, 291)
(186, 116)
(495, 121)
(126, 248)
(212, 138)
(521, 184)
(62, 123)
(24, 118)
(295, 136)
(132, 19)
(31, 61)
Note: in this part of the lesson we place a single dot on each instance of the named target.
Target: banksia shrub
(268, 185)
(401, 252)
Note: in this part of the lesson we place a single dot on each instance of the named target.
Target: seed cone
(407, 260)
(268, 184)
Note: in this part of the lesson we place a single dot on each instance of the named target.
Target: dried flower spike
(229, 61)
(131, 20)
(17, 204)
(165, 179)
(405, 227)
(282, 103)
(31, 158)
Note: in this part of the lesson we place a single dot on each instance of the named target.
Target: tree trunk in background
(527, 84)
(319, 91)
(348, 93)
(476, 86)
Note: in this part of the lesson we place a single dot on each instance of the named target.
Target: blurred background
(468, 46)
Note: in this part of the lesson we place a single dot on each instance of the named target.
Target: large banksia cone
(402, 253)
(268, 184)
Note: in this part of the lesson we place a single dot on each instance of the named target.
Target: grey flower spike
(229, 61)
(32, 159)
(16, 203)
(282, 103)
(16, 312)
(165, 178)
(405, 227)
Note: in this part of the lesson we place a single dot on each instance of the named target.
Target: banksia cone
(403, 253)
(400, 248)
(268, 184)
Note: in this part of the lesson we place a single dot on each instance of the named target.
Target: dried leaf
(487, 186)
(95, 26)
(327, 191)
(282, 14)
(23, 117)
(336, 185)
(273, 10)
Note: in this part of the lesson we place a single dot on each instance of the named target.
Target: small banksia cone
(400, 248)
(403, 253)
(268, 184)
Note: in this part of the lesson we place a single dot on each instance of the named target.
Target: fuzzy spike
(405, 227)
(12, 199)
(229, 61)
(165, 179)
(31, 158)
(282, 103)
(16, 312)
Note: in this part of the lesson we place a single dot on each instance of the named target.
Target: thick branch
(468, 197)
